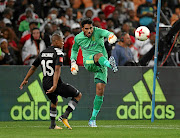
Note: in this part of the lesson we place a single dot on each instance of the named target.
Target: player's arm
(28, 75)
(56, 77)
(57, 71)
(31, 71)
(74, 50)
(74, 53)
(105, 33)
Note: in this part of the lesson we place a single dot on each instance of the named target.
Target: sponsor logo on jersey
(60, 59)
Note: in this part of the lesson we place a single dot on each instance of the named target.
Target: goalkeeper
(91, 40)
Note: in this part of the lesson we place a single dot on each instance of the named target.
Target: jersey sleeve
(59, 57)
(37, 61)
(103, 32)
(74, 50)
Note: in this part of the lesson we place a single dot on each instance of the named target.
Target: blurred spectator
(19, 8)
(102, 18)
(88, 13)
(134, 50)
(109, 8)
(24, 25)
(2, 7)
(77, 15)
(47, 5)
(69, 17)
(133, 23)
(122, 53)
(63, 4)
(5, 57)
(117, 32)
(172, 4)
(69, 41)
(115, 17)
(122, 11)
(176, 15)
(145, 12)
(97, 22)
(95, 8)
(32, 47)
(110, 24)
(27, 34)
(57, 29)
(166, 11)
(10, 36)
(53, 13)
(8, 14)
(2, 24)
(10, 4)
(47, 35)
(144, 46)
(128, 4)
(125, 28)
(28, 14)
(82, 4)
(36, 6)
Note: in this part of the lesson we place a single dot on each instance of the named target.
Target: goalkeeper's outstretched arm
(74, 53)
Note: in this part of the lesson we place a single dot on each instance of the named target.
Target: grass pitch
(105, 129)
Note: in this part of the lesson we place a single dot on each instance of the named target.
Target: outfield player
(91, 40)
(51, 60)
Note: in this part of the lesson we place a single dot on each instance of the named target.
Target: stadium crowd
(26, 26)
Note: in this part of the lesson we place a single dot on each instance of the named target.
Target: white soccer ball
(142, 33)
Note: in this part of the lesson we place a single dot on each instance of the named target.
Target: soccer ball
(142, 33)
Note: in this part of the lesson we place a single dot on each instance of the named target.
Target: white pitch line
(110, 126)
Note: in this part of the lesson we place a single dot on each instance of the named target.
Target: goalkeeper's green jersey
(91, 45)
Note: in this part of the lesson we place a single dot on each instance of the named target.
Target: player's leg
(69, 91)
(100, 80)
(53, 111)
(98, 101)
(99, 58)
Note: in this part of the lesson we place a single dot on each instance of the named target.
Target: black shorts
(65, 90)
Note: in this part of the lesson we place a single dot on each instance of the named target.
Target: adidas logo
(38, 108)
(138, 104)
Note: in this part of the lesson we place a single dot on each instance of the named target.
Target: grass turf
(105, 129)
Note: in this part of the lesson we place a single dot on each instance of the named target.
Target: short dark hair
(86, 21)
(33, 22)
(56, 36)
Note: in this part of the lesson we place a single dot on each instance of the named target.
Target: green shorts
(100, 72)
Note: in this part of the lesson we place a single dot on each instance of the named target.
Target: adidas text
(33, 111)
(138, 111)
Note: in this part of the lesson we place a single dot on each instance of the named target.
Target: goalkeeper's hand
(74, 67)
(112, 39)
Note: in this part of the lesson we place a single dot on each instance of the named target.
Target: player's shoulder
(99, 30)
(58, 51)
(51, 52)
(79, 36)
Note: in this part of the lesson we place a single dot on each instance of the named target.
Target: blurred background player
(51, 61)
(91, 40)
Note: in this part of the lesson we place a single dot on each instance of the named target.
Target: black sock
(53, 114)
(71, 106)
